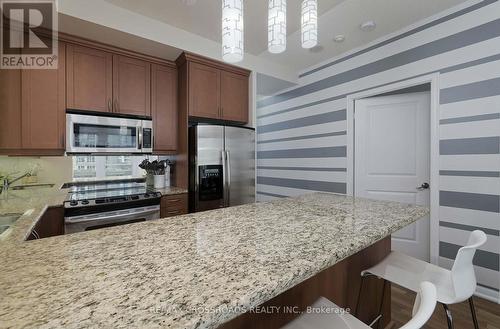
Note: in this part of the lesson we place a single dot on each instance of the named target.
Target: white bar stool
(333, 317)
(452, 287)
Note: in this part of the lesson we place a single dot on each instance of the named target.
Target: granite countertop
(193, 271)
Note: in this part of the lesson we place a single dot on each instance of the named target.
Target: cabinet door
(89, 79)
(204, 91)
(43, 107)
(234, 97)
(174, 205)
(164, 108)
(10, 110)
(131, 86)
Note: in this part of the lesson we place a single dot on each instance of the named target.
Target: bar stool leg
(381, 304)
(359, 296)
(448, 316)
(473, 312)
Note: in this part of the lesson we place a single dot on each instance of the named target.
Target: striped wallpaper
(302, 132)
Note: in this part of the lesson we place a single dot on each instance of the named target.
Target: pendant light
(276, 26)
(232, 31)
(309, 23)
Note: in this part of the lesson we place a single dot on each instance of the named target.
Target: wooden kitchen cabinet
(101, 81)
(204, 91)
(10, 110)
(214, 90)
(51, 223)
(174, 205)
(43, 107)
(33, 111)
(234, 97)
(164, 108)
(131, 86)
(89, 79)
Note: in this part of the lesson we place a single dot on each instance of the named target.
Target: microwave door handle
(139, 138)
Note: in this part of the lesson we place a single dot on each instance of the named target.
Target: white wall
(302, 143)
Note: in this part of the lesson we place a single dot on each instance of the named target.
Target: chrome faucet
(7, 182)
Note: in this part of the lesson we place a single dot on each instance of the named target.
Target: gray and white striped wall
(302, 143)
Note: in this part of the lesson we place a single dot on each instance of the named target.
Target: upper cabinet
(43, 107)
(103, 82)
(131, 86)
(234, 100)
(164, 108)
(90, 79)
(204, 94)
(214, 90)
(33, 110)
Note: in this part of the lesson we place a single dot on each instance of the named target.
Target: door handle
(228, 165)
(424, 186)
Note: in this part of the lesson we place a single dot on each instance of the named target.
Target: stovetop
(95, 195)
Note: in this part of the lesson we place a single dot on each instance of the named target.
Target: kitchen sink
(31, 186)
(7, 220)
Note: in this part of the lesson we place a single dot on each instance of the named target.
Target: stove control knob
(73, 203)
(146, 195)
(85, 202)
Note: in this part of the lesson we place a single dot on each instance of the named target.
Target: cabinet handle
(110, 107)
(115, 103)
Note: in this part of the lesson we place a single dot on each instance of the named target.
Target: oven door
(98, 134)
(109, 219)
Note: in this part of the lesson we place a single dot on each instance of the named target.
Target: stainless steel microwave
(104, 134)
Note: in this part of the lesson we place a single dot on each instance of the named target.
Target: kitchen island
(201, 270)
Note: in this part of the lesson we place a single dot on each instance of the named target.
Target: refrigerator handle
(224, 178)
(228, 160)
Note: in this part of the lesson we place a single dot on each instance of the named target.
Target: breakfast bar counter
(202, 270)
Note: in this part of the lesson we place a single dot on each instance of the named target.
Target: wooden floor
(488, 313)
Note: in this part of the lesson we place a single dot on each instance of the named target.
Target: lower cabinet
(50, 224)
(174, 205)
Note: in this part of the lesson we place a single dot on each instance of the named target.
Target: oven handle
(135, 213)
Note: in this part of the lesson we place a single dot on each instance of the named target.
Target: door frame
(433, 79)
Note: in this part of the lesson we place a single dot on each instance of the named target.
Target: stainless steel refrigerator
(222, 166)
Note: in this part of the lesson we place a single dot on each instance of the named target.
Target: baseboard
(488, 294)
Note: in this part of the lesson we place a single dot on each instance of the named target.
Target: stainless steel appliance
(95, 206)
(222, 166)
(108, 134)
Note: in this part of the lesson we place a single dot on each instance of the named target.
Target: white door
(392, 159)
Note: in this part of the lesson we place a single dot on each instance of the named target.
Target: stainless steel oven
(95, 221)
(105, 134)
(91, 206)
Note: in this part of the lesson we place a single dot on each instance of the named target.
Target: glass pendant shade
(276, 20)
(309, 23)
(232, 31)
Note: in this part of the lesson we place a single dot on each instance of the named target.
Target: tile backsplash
(56, 170)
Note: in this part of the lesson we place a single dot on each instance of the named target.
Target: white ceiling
(202, 17)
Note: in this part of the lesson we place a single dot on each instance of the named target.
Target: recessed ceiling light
(339, 38)
(189, 2)
(316, 49)
(368, 26)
